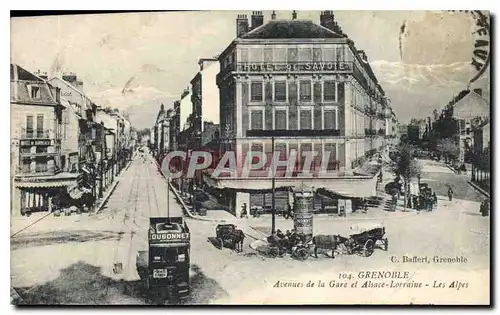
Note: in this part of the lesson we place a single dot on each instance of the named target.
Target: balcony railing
(39, 170)
(38, 154)
(36, 133)
(293, 133)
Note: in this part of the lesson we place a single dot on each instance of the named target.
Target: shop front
(40, 193)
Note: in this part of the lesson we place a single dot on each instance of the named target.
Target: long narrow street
(93, 245)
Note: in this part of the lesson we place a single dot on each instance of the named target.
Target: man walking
(244, 212)
(450, 193)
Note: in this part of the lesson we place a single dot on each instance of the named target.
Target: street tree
(448, 149)
(405, 164)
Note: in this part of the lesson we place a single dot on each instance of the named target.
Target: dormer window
(35, 92)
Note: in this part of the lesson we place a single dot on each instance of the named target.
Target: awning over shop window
(361, 187)
(59, 180)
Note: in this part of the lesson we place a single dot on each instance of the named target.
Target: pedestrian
(450, 193)
(484, 209)
(244, 212)
(435, 199)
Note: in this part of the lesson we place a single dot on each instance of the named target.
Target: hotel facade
(309, 87)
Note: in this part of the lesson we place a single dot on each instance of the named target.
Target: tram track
(132, 199)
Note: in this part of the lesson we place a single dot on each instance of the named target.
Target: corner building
(308, 83)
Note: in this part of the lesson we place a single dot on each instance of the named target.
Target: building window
(256, 55)
(328, 54)
(41, 166)
(29, 126)
(26, 166)
(257, 120)
(331, 148)
(40, 149)
(281, 148)
(39, 125)
(305, 55)
(329, 119)
(256, 91)
(280, 94)
(305, 92)
(35, 92)
(25, 150)
(280, 119)
(339, 53)
(329, 91)
(305, 119)
(316, 54)
(279, 54)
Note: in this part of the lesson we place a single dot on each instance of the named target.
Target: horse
(238, 239)
(326, 242)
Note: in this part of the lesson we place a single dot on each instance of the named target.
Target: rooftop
(291, 29)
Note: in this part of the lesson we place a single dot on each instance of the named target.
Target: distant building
(468, 106)
(204, 98)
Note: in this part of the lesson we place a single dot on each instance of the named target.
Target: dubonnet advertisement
(251, 158)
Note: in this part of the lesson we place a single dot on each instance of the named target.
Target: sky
(155, 55)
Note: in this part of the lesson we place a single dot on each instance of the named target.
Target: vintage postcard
(253, 157)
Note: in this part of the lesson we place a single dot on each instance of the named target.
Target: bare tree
(405, 164)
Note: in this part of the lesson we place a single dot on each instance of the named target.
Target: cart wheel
(272, 252)
(368, 248)
(221, 244)
(302, 253)
(386, 242)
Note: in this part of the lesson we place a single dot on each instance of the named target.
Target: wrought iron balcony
(36, 134)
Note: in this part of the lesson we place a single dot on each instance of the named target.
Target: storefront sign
(36, 142)
(295, 67)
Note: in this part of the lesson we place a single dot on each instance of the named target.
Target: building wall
(18, 122)
(70, 144)
(78, 99)
(210, 92)
(348, 109)
(186, 108)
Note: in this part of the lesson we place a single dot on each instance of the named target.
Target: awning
(59, 180)
(352, 186)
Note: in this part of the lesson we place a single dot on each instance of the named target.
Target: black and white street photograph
(238, 157)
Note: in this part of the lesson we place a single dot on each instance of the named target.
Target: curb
(105, 199)
(476, 187)
(112, 189)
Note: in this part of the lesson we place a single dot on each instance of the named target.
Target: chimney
(363, 56)
(294, 15)
(257, 19)
(273, 15)
(241, 25)
(72, 79)
(327, 20)
(479, 92)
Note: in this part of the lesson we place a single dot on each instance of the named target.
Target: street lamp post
(273, 184)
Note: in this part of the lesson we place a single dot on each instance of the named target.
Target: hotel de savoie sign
(294, 66)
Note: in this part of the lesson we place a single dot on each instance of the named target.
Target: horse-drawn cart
(228, 235)
(364, 238)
